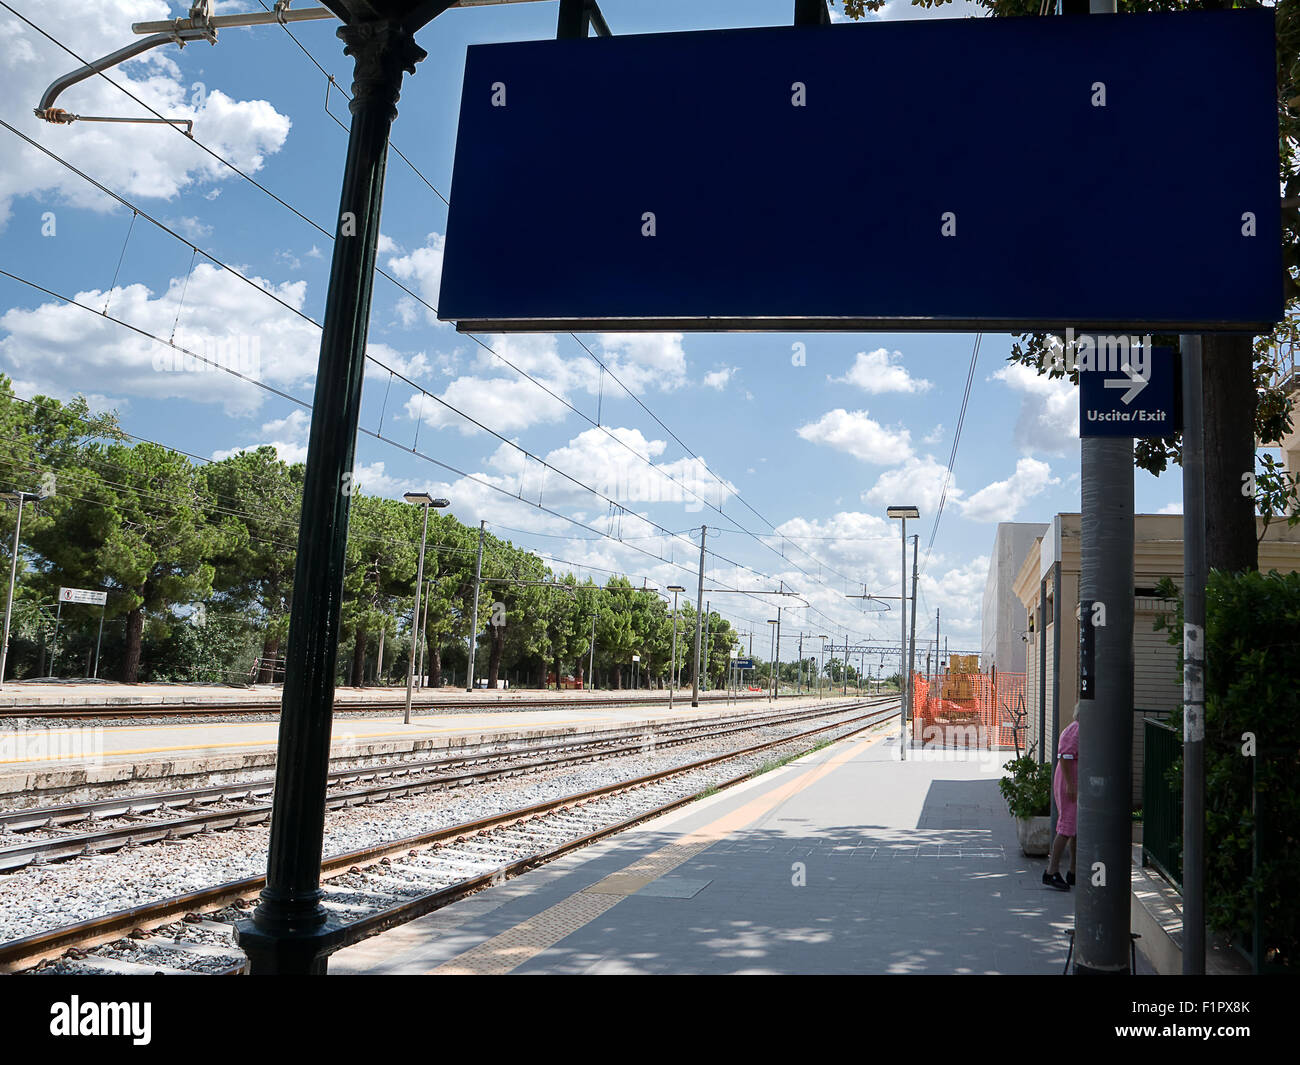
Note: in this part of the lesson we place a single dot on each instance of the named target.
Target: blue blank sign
(1103, 172)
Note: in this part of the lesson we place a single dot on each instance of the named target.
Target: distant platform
(66, 759)
(73, 693)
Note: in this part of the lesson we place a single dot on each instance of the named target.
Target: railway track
(272, 706)
(138, 819)
(374, 888)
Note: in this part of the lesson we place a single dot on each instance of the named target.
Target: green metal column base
(286, 951)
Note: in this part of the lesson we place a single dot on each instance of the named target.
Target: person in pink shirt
(1065, 787)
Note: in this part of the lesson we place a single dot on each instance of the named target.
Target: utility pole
(473, 621)
(591, 661)
(799, 682)
(846, 663)
(936, 641)
(902, 653)
(911, 652)
(699, 604)
(776, 675)
(771, 661)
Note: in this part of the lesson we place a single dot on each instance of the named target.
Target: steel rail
(599, 743)
(96, 931)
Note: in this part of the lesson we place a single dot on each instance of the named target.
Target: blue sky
(818, 450)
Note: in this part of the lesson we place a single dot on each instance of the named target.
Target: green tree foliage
(255, 503)
(383, 552)
(449, 575)
(1252, 734)
(198, 562)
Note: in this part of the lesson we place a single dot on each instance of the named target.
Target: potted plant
(1027, 790)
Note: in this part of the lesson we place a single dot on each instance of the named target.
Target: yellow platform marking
(515, 946)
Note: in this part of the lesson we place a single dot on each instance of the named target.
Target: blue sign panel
(1019, 173)
(744, 663)
(1134, 395)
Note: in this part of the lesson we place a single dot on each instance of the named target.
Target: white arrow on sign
(1135, 383)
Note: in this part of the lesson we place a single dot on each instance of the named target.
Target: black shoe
(1069, 879)
(1054, 880)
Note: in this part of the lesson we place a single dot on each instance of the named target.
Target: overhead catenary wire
(729, 489)
(166, 502)
(387, 440)
(952, 455)
(425, 393)
(760, 538)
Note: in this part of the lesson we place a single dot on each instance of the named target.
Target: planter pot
(1035, 835)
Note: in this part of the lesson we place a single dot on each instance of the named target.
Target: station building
(1047, 587)
(1004, 620)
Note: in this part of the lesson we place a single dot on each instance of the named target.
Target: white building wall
(1003, 618)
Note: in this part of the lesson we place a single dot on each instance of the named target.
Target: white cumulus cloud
(138, 161)
(1002, 500)
(858, 434)
(882, 371)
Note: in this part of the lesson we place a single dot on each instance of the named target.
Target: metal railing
(1162, 803)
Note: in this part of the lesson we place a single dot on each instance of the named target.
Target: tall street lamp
(20, 498)
(905, 711)
(426, 501)
(672, 673)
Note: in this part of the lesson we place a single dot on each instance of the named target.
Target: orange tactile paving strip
(511, 948)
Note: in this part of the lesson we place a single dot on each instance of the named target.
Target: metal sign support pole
(1193, 661)
(100, 638)
(776, 673)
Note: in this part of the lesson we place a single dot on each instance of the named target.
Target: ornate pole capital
(381, 51)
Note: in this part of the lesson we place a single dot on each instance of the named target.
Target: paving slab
(846, 861)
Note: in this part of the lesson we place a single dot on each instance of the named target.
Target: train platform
(37, 763)
(846, 861)
(16, 695)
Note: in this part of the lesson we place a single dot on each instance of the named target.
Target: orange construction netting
(982, 710)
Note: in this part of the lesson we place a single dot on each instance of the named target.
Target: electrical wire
(760, 538)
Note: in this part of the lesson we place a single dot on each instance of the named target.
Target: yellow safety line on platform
(255, 743)
(515, 946)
